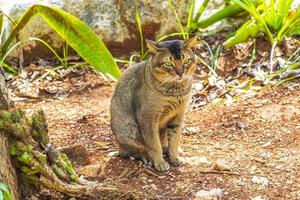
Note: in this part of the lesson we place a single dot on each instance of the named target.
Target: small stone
(266, 155)
(191, 130)
(102, 143)
(235, 116)
(198, 86)
(258, 198)
(260, 180)
(196, 160)
(213, 194)
(221, 166)
(153, 186)
(150, 180)
(241, 125)
(267, 144)
(113, 153)
(90, 170)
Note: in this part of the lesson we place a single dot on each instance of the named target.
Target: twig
(152, 173)
(218, 172)
(124, 173)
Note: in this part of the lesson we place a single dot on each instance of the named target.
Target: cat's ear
(191, 43)
(152, 46)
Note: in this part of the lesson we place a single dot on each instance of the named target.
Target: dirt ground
(258, 139)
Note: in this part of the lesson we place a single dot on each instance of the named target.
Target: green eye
(168, 64)
(186, 61)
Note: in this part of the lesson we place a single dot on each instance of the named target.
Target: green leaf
(138, 21)
(1, 22)
(200, 10)
(296, 31)
(76, 33)
(247, 30)
(185, 36)
(249, 6)
(6, 194)
(228, 11)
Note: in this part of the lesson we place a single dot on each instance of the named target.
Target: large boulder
(113, 20)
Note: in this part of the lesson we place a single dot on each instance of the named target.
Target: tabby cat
(149, 102)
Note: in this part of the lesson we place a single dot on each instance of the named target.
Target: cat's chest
(170, 108)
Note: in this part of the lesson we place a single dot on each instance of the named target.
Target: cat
(149, 102)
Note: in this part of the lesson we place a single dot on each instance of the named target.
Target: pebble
(260, 180)
(258, 198)
(196, 160)
(113, 154)
(213, 194)
(153, 186)
(221, 166)
(90, 170)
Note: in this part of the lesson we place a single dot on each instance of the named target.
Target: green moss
(32, 179)
(39, 128)
(5, 116)
(18, 129)
(1, 125)
(41, 157)
(13, 151)
(26, 170)
(59, 171)
(29, 148)
(15, 116)
(20, 146)
(26, 159)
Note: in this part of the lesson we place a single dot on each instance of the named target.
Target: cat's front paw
(162, 166)
(175, 161)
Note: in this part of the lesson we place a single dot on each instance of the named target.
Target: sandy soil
(257, 138)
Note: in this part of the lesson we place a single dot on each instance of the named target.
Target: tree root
(40, 163)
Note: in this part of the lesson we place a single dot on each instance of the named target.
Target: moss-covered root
(88, 190)
(39, 128)
(32, 149)
(41, 164)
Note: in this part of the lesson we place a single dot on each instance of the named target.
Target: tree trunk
(8, 173)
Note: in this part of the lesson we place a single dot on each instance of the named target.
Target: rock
(241, 125)
(221, 166)
(198, 87)
(190, 130)
(113, 153)
(114, 21)
(90, 170)
(258, 198)
(77, 153)
(196, 160)
(153, 186)
(213, 194)
(260, 180)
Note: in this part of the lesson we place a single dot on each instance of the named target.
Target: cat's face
(172, 61)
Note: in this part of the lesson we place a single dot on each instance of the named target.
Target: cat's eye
(186, 61)
(168, 64)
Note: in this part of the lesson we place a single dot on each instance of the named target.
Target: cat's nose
(179, 71)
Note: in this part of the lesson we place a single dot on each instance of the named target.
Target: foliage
(229, 11)
(193, 17)
(276, 20)
(4, 192)
(76, 33)
(138, 21)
